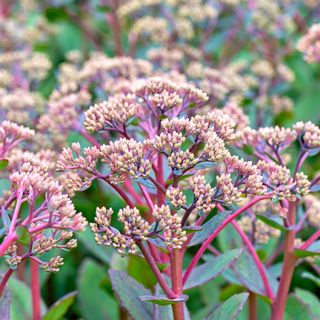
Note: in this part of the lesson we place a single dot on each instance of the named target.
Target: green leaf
(148, 184)
(230, 308)
(128, 292)
(60, 307)
(23, 235)
(205, 165)
(313, 250)
(5, 305)
(103, 253)
(162, 300)
(297, 309)
(273, 221)
(312, 277)
(244, 272)
(94, 300)
(3, 164)
(310, 300)
(192, 229)
(208, 228)
(5, 218)
(21, 300)
(211, 269)
(315, 188)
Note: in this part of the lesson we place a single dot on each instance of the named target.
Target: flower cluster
(49, 224)
(309, 44)
(11, 135)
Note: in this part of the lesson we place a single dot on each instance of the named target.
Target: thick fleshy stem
(4, 281)
(163, 284)
(207, 242)
(35, 289)
(288, 266)
(176, 278)
(252, 306)
(7, 242)
(161, 195)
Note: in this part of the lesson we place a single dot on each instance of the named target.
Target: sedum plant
(37, 215)
(182, 186)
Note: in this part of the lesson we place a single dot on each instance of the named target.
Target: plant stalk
(7, 242)
(207, 242)
(288, 266)
(163, 284)
(35, 290)
(252, 303)
(4, 281)
(176, 278)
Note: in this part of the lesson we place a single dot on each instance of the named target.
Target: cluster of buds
(309, 44)
(49, 224)
(137, 229)
(11, 135)
(312, 204)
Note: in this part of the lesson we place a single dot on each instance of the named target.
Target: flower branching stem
(176, 277)
(4, 280)
(207, 242)
(35, 289)
(288, 266)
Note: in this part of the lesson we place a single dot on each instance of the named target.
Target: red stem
(115, 25)
(35, 290)
(161, 195)
(176, 278)
(252, 306)
(207, 242)
(89, 138)
(4, 281)
(254, 255)
(163, 284)
(288, 266)
(256, 259)
(122, 194)
(7, 242)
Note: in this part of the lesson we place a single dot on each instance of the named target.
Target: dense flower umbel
(11, 135)
(186, 146)
(49, 224)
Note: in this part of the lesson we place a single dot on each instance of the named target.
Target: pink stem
(147, 197)
(256, 259)
(4, 281)
(15, 213)
(7, 242)
(161, 195)
(207, 242)
(176, 279)
(310, 241)
(35, 290)
(88, 137)
(122, 194)
(163, 284)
